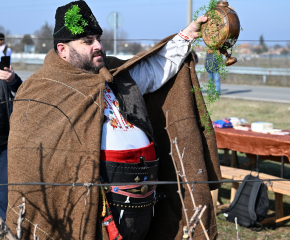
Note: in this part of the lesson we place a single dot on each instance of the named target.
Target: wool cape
(45, 147)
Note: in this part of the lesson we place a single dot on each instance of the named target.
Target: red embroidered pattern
(115, 119)
(180, 34)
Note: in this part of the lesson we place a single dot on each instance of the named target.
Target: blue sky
(152, 19)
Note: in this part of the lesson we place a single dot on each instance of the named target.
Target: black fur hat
(73, 21)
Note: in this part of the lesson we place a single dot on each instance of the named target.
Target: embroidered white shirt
(150, 74)
(118, 133)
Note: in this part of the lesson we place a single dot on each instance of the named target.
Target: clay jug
(222, 30)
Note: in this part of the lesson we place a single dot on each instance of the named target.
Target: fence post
(264, 79)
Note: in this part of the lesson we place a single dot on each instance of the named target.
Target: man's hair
(55, 45)
(56, 41)
(2, 36)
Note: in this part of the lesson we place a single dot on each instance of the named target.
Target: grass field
(276, 113)
(279, 115)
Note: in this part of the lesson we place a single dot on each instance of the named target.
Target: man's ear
(62, 50)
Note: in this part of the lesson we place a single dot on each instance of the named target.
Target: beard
(85, 62)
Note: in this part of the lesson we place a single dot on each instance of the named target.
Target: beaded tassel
(108, 220)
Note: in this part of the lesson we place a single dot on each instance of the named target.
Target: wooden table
(254, 143)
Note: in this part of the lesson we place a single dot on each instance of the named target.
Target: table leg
(234, 161)
(282, 166)
(235, 186)
(226, 157)
(257, 162)
(279, 211)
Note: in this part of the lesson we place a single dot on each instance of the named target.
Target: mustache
(98, 52)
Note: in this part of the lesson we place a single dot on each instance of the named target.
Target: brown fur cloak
(43, 147)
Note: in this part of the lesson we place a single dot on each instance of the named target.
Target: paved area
(258, 93)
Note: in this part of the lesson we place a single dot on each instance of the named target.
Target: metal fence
(253, 71)
(232, 69)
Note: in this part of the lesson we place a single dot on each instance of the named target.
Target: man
(212, 62)
(85, 121)
(4, 49)
(9, 83)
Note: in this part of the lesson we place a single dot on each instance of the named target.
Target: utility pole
(115, 32)
(189, 11)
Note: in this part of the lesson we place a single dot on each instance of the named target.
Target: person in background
(4, 49)
(211, 66)
(9, 83)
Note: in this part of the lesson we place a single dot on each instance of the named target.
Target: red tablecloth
(253, 143)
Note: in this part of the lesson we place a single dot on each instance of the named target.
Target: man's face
(2, 41)
(87, 53)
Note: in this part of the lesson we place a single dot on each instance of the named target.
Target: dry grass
(253, 111)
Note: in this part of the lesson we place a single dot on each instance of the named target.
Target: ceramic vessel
(222, 30)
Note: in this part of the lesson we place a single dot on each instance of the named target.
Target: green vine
(74, 21)
(210, 87)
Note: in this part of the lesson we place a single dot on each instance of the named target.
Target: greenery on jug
(210, 87)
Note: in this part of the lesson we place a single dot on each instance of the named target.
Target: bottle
(221, 31)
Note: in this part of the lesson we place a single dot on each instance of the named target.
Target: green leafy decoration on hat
(74, 21)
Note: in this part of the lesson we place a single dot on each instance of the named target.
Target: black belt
(137, 206)
(115, 172)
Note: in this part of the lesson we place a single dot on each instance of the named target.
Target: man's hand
(192, 30)
(7, 75)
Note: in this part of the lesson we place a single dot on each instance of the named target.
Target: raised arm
(150, 74)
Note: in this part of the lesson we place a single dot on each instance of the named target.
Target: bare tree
(26, 40)
(285, 52)
(262, 44)
(44, 39)
(108, 40)
(4, 31)
(277, 46)
(123, 45)
(131, 48)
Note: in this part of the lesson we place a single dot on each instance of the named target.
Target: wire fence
(133, 39)
(139, 183)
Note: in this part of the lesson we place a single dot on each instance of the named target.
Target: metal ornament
(144, 189)
(137, 179)
(133, 190)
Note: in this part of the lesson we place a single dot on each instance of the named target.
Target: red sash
(130, 155)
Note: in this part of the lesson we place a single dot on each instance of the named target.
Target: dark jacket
(211, 63)
(7, 92)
